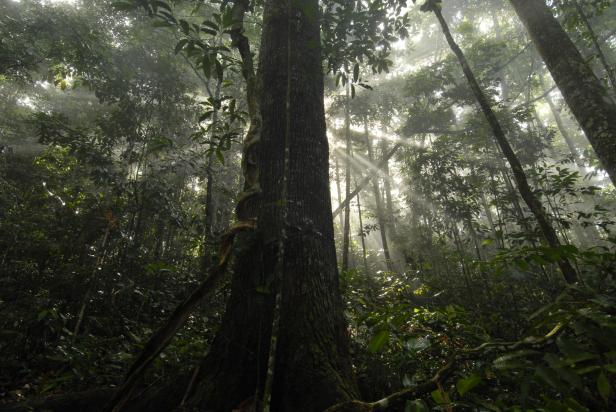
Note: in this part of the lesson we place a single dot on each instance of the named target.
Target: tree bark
(339, 192)
(313, 368)
(588, 100)
(362, 235)
(347, 181)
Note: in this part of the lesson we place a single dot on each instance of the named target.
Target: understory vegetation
(123, 170)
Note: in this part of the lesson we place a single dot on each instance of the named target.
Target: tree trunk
(585, 95)
(362, 235)
(339, 192)
(210, 206)
(391, 219)
(347, 181)
(526, 192)
(380, 213)
(561, 126)
(313, 369)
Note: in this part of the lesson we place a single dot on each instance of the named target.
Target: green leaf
(211, 25)
(356, 73)
(416, 406)
(181, 44)
(161, 4)
(185, 26)
(438, 397)
(205, 116)
(378, 340)
(574, 405)
(207, 66)
(603, 385)
(466, 384)
(220, 156)
(209, 31)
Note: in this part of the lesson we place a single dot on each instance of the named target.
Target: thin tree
(380, 212)
(362, 234)
(346, 240)
(524, 188)
(595, 41)
(564, 132)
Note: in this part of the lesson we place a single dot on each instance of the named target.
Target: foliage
(121, 125)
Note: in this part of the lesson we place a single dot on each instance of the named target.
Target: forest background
(121, 130)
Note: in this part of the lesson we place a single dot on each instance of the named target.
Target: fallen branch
(398, 398)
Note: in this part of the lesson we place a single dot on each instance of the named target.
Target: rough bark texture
(585, 95)
(312, 362)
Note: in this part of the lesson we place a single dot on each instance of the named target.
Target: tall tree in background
(346, 241)
(533, 203)
(588, 100)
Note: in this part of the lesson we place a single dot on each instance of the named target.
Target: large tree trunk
(585, 95)
(312, 364)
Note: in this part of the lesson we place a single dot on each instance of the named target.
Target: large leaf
(603, 385)
(466, 384)
(378, 340)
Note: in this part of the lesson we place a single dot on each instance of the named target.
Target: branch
(396, 399)
(364, 182)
